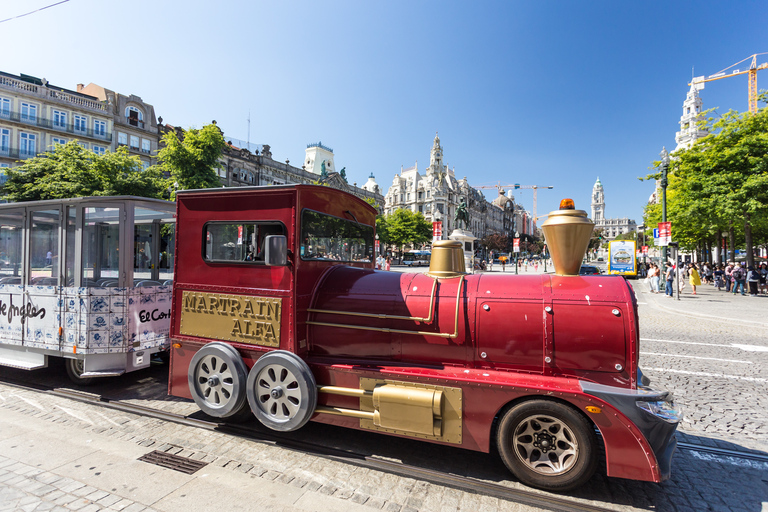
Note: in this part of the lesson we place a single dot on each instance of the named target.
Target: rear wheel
(547, 445)
(75, 369)
(217, 377)
(281, 391)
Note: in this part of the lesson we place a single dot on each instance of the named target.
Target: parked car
(589, 270)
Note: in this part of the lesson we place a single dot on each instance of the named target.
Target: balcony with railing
(52, 124)
(46, 94)
(19, 153)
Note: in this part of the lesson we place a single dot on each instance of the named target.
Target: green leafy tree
(405, 227)
(720, 184)
(70, 170)
(192, 159)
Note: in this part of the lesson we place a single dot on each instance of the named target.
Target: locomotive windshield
(328, 238)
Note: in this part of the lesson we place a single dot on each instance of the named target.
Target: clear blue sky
(538, 92)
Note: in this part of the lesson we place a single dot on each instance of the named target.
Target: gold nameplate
(239, 318)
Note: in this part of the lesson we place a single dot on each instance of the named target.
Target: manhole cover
(175, 462)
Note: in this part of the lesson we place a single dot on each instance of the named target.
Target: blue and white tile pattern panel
(92, 320)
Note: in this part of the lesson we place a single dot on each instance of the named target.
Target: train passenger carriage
(85, 279)
(279, 313)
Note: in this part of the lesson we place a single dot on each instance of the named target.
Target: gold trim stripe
(426, 320)
(399, 331)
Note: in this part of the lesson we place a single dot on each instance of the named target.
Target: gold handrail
(401, 331)
(426, 320)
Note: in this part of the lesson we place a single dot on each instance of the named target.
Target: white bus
(417, 258)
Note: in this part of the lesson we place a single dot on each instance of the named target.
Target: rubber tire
(75, 368)
(228, 355)
(583, 431)
(303, 382)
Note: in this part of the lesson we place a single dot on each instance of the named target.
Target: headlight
(665, 410)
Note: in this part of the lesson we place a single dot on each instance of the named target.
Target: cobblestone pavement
(713, 358)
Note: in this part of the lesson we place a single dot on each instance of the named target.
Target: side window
(328, 238)
(241, 242)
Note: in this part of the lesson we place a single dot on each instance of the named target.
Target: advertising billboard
(621, 257)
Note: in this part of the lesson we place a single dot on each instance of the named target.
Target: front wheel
(547, 445)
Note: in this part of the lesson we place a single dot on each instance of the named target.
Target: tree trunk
(748, 240)
(731, 242)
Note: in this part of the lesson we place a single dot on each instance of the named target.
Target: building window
(99, 150)
(135, 116)
(134, 142)
(5, 107)
(59, 119)
(99, 128)
(81, 123)
(144, 165)
(122, 139)
(83, 145)
(5, 141)
(27, 144)
(29, 112)
(57, 140)
(145, 146)
(428, 194)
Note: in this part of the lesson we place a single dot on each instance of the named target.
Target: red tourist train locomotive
(278, 312)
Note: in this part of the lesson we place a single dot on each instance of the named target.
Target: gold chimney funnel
(447, 259)
(567, 232)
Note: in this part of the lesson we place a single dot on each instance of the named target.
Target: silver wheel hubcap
(278, 392)
(546, 445)
(215, 381)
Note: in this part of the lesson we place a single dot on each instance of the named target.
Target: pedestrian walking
(729, 276)
(388, 263)
(753, 280)
(693, 276)
(763, 277)
(739, 279)
(670, 275)
(719, 276)
(683, 276)
(655, 277)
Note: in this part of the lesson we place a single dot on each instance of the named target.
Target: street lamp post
(664, 168)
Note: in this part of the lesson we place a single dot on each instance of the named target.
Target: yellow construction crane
(752, 71)
(519, 186)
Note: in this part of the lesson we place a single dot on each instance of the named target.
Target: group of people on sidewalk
(732, 277)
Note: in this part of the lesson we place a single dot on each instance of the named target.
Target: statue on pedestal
(462, 214)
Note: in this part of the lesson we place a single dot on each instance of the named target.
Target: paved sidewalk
(67, 469)
(708, 303)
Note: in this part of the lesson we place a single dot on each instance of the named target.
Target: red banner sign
(437, 231)
(516, 245)
(665, 233)
(645, 249)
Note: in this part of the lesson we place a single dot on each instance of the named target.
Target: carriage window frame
(369, 241)
(235, 223)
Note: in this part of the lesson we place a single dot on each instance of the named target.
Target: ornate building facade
(611, 227)
(35, 115)
(438, 192)
(242, 167)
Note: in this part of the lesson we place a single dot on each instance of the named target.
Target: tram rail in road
(531, 498)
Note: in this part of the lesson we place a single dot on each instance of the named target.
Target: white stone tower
(317, 155)
(436, 158)
(598, 203)
(689, 130)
